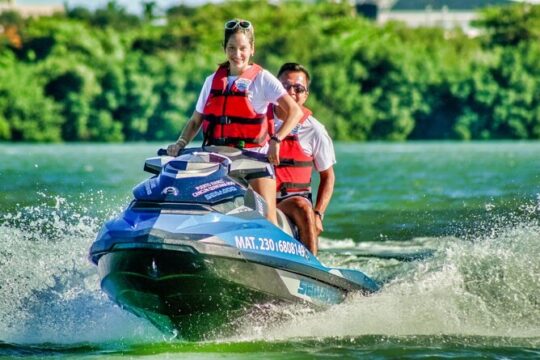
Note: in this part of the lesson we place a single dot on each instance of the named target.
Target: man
(306, 146)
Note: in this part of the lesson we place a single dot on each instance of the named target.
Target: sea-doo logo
(315, 291)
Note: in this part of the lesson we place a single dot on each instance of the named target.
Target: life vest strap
(290, 185)
(219, 92)
(234, 141)
(291, 137)
(225, 120)
(294, 163)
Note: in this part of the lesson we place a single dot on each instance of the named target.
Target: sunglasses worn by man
(298, 88)
(233, 24)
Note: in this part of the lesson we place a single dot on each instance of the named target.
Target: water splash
(482, 285)
(487, 286)
(49, 291)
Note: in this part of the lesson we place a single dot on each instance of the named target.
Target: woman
(232, 108)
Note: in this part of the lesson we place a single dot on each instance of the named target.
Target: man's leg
(300, 211)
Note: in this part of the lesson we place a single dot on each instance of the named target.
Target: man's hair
(291, 66)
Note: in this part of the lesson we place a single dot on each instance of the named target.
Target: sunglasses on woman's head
(233, 24)
(298, 88)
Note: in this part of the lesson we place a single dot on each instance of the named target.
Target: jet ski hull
(180, 291)
(197, 289)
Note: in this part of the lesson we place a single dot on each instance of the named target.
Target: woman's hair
(249, 32)
(291, 66)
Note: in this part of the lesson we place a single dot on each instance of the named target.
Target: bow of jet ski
(194, 250)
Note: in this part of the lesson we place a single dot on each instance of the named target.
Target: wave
(486, 284)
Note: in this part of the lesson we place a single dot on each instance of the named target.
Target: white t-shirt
(262, 91)
(315, 141)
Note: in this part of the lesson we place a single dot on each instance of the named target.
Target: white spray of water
(486, 285)
(49, 290)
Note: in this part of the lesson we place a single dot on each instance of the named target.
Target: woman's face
(239, 51)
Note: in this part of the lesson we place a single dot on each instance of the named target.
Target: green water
(451, 230)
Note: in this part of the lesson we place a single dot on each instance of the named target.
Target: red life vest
(293, 174)
(229, 117)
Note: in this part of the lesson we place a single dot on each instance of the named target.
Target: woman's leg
(266, 187)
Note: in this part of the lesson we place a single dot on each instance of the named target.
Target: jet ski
(194, 251)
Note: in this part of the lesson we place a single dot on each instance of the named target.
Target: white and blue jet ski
(194, 250)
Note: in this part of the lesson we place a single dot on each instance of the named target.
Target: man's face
(295, 82)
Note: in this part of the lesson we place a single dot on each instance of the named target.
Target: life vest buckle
(224, 120)
(220, 141)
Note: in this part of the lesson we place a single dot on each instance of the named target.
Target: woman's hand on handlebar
(177, 147)
(174, 149)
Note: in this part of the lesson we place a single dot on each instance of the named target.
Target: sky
(131, 5)
(134, 6)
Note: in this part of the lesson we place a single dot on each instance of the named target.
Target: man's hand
(318, 225)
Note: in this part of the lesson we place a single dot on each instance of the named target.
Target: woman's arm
(190, 130)
(293, 114)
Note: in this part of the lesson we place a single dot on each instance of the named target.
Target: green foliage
(511, 25)
(11, 18)
(112, 15)
(26, 114)
(106, 75)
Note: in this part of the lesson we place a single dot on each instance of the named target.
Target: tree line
(107, 75)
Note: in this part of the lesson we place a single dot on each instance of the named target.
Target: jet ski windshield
(194, 177)
(196, 164)
(204, 157)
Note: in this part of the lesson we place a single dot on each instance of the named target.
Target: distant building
(30, 10)
(461, 5)
(445, 18)
(447, 14)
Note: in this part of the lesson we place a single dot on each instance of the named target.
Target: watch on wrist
(319, 214)
(275, 138)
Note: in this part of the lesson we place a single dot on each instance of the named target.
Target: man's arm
(324, 194)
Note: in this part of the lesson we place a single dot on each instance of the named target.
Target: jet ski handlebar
(162, 152)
